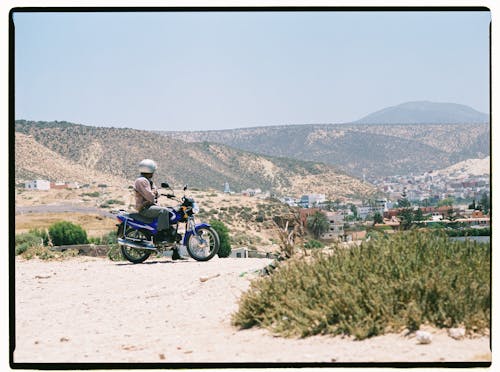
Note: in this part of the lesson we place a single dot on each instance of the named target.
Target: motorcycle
(138, 235)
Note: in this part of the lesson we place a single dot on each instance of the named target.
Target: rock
(424, 337)
(456, 333)
(205, 278)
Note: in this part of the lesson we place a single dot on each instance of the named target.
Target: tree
(473, 205)
(317, 224)
(404, 202)
(67, 233)
(406, 218)
(223, 232)
(447, 202)
(485, 203)
(426, 202)
(354, 211)
(377, 218)
(418, 215)
(337, 203)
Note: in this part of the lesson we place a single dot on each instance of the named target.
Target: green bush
(223, 232)
(27, 240)
(33, 238)
(110, 202)
(34, 244)
(313, 244)
(469, 232)
(94, 194)
(398, 281)
(67, 233)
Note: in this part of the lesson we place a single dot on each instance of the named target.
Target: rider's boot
(176, 255)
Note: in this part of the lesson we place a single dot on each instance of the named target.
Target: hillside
(116, 152)
(474, 167)
(34, 161)
(373, 150)
(424, 112)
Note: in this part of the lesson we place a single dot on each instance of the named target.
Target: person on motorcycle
(146, 195)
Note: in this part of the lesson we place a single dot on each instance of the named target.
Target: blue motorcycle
(138, 235)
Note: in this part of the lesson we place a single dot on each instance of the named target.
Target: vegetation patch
(224, 239)
(94, 194)
(37, 242)
(110, 202)
(387, 284)
(45, 253)
(67, 233)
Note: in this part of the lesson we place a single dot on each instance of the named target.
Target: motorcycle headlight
(196, 209)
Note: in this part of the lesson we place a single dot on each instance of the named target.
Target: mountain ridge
(359, 149)
(278, 155)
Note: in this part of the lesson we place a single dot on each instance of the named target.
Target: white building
(311, 200)
(364, 211)
(37, 185)
(251, 192)
(289, 201)
(241, 252)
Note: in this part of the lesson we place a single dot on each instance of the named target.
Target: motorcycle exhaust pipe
(136, 245)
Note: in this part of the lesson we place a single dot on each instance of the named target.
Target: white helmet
(147, 166)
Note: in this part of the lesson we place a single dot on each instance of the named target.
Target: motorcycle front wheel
(203, 245)
(134, 255)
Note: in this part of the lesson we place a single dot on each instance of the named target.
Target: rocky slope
(473, 167)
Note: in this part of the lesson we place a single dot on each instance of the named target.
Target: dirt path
(62, 208)
(95, 310)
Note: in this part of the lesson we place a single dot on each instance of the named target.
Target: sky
(223, 70)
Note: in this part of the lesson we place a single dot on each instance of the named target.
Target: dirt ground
(85, 309)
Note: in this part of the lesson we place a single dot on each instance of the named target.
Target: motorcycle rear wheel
(134, 255)
(204, 245)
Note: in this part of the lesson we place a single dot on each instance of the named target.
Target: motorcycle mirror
(165, 185)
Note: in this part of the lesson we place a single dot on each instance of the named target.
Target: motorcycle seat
(140, 218)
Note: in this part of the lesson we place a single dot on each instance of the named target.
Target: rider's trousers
(156, 211)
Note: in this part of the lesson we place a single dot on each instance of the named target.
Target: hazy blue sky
(218, 70)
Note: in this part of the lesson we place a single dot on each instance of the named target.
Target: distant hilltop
(425, 112)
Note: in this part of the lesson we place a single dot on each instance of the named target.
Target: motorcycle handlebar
(170, 196)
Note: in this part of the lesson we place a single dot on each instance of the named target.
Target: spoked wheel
(134, 255)
(203, 245)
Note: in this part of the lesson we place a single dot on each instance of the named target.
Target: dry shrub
(387, 284)
(45, 253)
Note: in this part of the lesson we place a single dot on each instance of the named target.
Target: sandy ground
(87, 309)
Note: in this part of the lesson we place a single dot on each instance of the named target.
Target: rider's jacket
(145, 193)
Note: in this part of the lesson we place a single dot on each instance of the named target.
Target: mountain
(67, 151)
(424, 112)
(359, 149)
